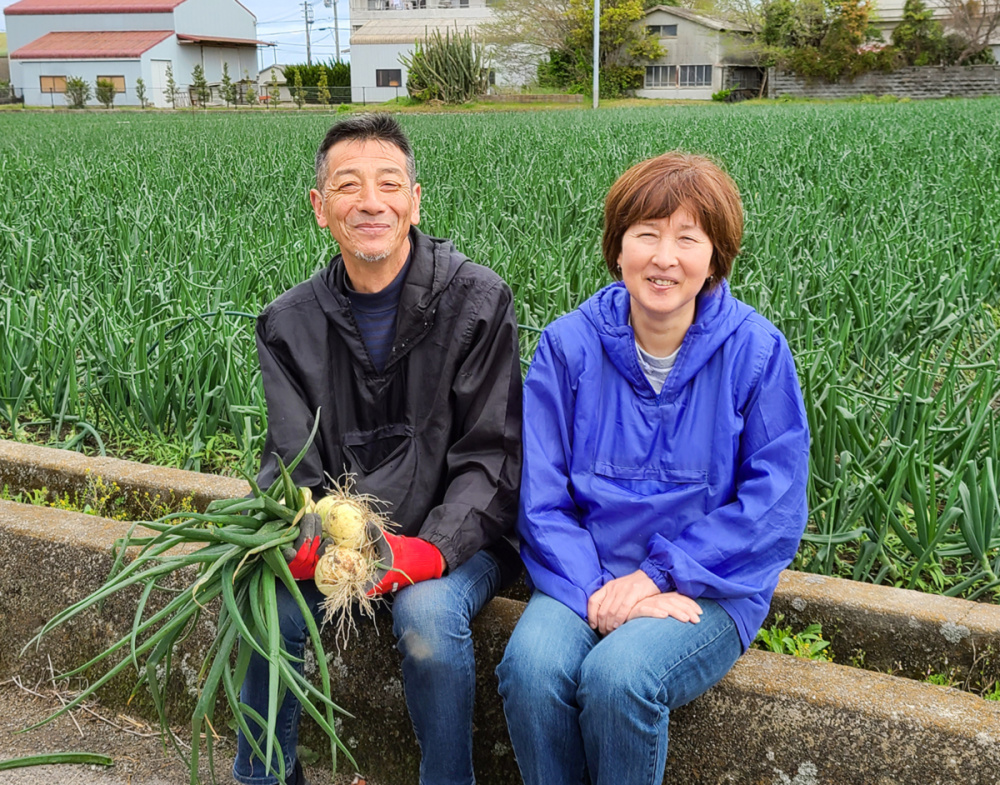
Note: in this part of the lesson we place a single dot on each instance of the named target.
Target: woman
(663, 488)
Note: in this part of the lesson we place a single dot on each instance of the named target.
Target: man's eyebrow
(357, 172)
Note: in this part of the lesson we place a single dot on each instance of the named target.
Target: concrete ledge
(772, 720)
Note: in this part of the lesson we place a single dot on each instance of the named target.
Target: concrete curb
(773, 719)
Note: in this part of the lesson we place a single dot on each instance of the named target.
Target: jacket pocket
(384, 464)
(649, 479)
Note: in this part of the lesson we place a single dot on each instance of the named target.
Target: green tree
(171, 87)
(251, 94)
(298, 91)
(624, 46)
(200, 86)
(140, 91)
(273, 90)
(322, 90)
(77, 92)
(227, 88)
(105, 93)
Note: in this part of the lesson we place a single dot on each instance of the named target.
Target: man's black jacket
(437, 434)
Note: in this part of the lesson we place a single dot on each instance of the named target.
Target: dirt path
(134, 745)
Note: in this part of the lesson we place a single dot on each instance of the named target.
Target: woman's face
(664, 264)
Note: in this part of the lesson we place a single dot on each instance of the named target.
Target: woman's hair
(656, 188)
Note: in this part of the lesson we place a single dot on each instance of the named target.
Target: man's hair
(380, 127)
(658, 187)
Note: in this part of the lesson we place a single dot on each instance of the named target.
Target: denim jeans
(581, 707)
(432, 624)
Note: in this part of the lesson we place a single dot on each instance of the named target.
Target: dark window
(663, 31)
(696, 76)
(388, 77)
(661, 76)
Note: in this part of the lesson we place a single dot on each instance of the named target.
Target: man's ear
(316, 198)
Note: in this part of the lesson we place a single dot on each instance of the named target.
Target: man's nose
(371, 199)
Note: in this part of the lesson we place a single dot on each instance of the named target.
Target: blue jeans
(432, 624)
(581, 707)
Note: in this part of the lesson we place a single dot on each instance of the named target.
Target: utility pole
(307, 12)
(597, 51)
(336, 25)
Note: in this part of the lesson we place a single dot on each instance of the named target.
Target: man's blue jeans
(431, 621)
(581, 707)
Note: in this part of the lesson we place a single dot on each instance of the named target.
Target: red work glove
(405, 561)
(303, 555)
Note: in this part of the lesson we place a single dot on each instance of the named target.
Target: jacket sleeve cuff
(663, 581)
(445, 545)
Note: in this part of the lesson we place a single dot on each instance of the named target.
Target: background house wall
(696, 44)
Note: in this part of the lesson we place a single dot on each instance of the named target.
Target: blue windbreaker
(703, 486)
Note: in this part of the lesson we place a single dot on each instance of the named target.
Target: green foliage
(171, 87)
(250, 95)
(322, 91)
(140, 91)
(918, 38)
(808, 644)
(77, 92)
(227, 87)
(722, 95)
(298, 92)
(200, 86)
(448, 68)
(274, 89)
(106, 92)
(320, 77)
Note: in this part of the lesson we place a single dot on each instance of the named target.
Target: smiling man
(409, 352)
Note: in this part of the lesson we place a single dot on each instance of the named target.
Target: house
(889, 13)
(704, 55)
(382, 30)
(125, 40)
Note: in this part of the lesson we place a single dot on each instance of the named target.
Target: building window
(463, 3)
(53, 84)
(663, 31)
(388, 77)
(696, 76)
(661, 76)
(117, 81)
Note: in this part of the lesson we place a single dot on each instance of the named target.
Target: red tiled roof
(32, 7)
(119, 44)
(216, 39)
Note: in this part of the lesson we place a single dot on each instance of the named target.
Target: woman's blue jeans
(432, 624)
(585, 708)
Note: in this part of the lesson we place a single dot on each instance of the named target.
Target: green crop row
(136, 249)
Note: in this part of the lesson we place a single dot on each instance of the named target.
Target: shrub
(140, 91)
(106, 92)
(77, 92)
(448, 68)
(722, 95)
(199, 87)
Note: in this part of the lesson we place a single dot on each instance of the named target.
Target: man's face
(368, 202)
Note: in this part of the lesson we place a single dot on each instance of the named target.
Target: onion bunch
(231, 555)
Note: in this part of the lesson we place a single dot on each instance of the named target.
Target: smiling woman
(663, 487)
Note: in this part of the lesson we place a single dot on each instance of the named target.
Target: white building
(123, 40)
(382, 30)
(704, 55)
(889, 13)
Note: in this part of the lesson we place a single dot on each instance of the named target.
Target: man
(410, 353)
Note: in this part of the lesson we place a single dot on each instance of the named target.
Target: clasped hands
(635, 595)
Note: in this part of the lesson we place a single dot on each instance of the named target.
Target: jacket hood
(717, 316)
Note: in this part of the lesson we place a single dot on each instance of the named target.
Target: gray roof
(711, 22)
(406, 31)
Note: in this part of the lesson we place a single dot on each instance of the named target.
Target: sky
(283, 22)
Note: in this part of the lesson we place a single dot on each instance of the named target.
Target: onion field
(135, 249)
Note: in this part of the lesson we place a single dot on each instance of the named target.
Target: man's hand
(405, 561)
(667, 605)
(309, 546)
(609, 607)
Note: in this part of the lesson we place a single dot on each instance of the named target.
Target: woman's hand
(609, 607)
(667, 605)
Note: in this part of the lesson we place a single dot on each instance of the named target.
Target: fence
(10, 95)
(915, 82)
